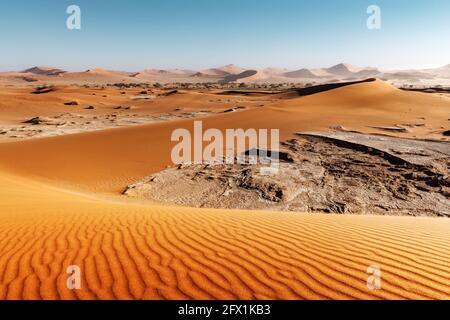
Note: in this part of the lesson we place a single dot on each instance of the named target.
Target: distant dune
(103, 72)
(302, 73)
(442, 72)
(248, 75)
(46, 71)
(231, 69)
(343, 70)
(275, 71)
(234, 73)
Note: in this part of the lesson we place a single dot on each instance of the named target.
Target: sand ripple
(136, 251)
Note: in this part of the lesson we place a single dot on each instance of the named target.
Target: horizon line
(19, 70)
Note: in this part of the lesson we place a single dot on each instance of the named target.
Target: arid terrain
(86, 179)
(317, 174)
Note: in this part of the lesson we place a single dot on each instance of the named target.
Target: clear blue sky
(132, 34)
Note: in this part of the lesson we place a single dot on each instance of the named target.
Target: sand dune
(442, 71)
(343, 70)
(44, 71)
(302, 73)
(223, 71)
(231, 69)
(274, 71)
(60, 205)
(134, 251)
(107, 73)
(247, 75)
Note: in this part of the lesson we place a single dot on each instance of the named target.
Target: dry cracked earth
(342, 174)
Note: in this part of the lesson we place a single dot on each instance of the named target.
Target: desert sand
(61, 203)
(140, 251)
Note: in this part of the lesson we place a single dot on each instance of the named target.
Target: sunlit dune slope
(108, 160)
(133, 251)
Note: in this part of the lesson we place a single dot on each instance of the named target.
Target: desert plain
(86, 179)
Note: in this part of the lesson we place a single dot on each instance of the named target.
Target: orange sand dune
(134, 251)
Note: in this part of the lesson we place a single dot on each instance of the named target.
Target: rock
(171, 92)
(43, 89)
(35, 121)
(338, 127)
(71, 103)
(40, 121)
(29, 79)
(393, 129)
(144, 97)
(314, 174)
